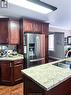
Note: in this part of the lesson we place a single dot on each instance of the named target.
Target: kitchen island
(47, 79)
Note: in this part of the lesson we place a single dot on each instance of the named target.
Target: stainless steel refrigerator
(34, 49)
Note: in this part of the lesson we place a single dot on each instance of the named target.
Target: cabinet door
(37, 27)
(45, 28)
(13, 32)
(28, 26)
(17, 72)
(46, 49)
(5, 72)
(0, 72)
(3, 32)
(32, 26)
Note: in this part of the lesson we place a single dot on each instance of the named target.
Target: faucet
(68, 54)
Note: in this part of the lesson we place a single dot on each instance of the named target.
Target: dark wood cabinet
(17, 72)
(28, 26)
(9, 31)
(11, 72)
(46, 48)
(0, 72)
(45, 28)
(3, 31)
(37, 26)
(17, 67)
(42, 45)
(13, 32)
(32, 26)
(5, 71)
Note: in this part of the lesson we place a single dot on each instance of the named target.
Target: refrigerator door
(37, 45)
(40, 45)
(35, 49)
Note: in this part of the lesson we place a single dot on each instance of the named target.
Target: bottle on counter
(14, 51)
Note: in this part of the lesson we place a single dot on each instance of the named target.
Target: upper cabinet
(13, 27)
(45, 29)
(28, 26)
(9, 31)
(32, 26)
(37, 26)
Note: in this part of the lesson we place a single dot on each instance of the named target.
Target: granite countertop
(12, 57)
(61, 60)
(47, 75)
(68, 59)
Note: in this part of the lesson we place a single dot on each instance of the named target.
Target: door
(28, 25)
(17, 72)
(13, 32)
(40, 47)
(5, 72)
(4, 32)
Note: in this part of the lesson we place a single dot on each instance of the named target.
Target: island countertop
(12, 58)
(47, 75)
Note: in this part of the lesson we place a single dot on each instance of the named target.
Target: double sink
(64, 64)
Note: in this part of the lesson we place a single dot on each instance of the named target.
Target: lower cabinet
(17, 72)
(11, 72)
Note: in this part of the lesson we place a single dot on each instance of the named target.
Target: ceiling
(59, 18)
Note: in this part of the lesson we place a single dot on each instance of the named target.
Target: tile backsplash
(6, 50)
(9, 47)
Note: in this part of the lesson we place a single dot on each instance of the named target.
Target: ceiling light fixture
(34, 5)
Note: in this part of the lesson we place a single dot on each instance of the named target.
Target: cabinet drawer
(16, 62)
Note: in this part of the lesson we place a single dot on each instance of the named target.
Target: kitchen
(13, 34)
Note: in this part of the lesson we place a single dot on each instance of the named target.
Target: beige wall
(66, 33)
(57, 29)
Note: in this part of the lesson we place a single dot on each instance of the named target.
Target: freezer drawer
(36, 62)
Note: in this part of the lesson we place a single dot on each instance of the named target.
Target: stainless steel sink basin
(64, 64)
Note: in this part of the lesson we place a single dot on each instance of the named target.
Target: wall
(55, 29)
(9, 47)
(58, 29)
(58, 46)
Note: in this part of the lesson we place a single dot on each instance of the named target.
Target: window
(51, 42)
(69, 40)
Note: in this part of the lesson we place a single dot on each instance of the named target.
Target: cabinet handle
(10, 64)
(38, 59)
